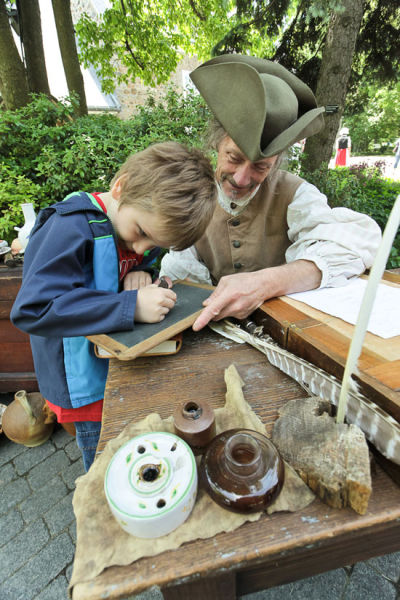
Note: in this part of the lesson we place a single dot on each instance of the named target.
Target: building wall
(134, 93)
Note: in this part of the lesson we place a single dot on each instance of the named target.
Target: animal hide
(379, 427)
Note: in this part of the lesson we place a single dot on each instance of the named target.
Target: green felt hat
(261, 105)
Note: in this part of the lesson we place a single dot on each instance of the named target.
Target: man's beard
(232, 196)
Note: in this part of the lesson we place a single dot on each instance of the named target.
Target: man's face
(237, 175)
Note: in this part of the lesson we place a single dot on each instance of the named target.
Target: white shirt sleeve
(341, 242)
(185, 264)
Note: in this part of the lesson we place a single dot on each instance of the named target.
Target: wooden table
(271, 551)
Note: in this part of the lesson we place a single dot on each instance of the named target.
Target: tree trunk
(31, 36)
(69, 54)
(333, 78)
(13, 83)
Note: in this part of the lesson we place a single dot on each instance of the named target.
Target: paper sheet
(344, 302)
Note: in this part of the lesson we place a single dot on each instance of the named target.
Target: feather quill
(378, 426)
(366, 307)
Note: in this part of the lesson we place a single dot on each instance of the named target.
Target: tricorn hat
(261, 105)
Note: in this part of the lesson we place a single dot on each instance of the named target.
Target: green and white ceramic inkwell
(151, 484)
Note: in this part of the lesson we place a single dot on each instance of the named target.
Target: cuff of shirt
(328, 276)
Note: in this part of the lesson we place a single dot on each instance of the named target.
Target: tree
(333, 78)
(270, 29)
(13, 81)
(69, 54)
(303, 28)
(30, 31)
(148, 38)
(18, 79)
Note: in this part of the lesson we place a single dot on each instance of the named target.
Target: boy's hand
(165, 282)
(153, 303)
(134, 280)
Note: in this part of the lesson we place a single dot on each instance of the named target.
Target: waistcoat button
(237, 265)
(236, 244)
(235, 222)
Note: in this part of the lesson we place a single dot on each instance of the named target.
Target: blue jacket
(70, 289)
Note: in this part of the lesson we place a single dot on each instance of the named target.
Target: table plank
(271, 551)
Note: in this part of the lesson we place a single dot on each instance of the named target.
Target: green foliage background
(46, 154)
(372, 116)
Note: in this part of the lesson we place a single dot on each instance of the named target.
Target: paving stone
(9, 450)
(7, 474)
(12, 494)
(33, 456)
(41, 570)
(20, 549)
(71, 473)
(57, 590)
(60, 516)
(366, 584)
(68, 572)
(10, 525)
(40, 474)
(72, 530)
(327, 586)
(73, 450)
(43, 499)
(9, 591)
(388, 565)
(60, 437)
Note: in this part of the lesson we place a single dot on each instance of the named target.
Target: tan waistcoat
(255, 239)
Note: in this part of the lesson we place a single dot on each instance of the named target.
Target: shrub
(46, 154)
(14, 190)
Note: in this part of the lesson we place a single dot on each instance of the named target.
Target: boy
(163, 196)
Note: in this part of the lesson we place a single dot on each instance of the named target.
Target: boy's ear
(116, 189)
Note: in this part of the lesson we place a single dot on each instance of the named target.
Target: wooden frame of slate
(127, 345)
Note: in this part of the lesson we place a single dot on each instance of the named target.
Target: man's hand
(235, 296)
(238, 295)
(153, 303)
(134, 280)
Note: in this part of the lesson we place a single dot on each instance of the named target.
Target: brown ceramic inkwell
(242, 470)
(194, 422)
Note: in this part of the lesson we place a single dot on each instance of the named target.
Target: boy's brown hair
(175, 182)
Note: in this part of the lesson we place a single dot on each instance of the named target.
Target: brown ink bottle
(242, 470)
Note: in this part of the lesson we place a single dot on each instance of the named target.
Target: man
(272, 233)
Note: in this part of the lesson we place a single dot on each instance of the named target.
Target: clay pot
(28, 420)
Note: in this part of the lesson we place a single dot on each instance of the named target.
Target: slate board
(127, 345)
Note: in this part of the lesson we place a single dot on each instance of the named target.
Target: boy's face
(139, 229)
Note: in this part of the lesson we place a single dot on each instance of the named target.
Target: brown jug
(242, 470)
